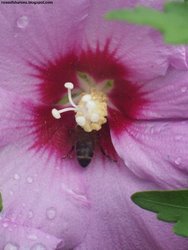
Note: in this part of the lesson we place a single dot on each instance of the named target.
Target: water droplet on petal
(29, 180)
(16, 176)
(22, 22)
(10, 246)
(178, 161)
(5, 225)
(51, 213)
(23, 205)
(32, 237)
(38, 247)
(11, 192)
(183, 89)
(30, 214)
(178, 137)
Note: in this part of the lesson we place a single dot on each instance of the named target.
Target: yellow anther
(93, 107)
(91, 110)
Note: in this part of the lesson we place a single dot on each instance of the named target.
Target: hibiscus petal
(22, 238)
(36, 34)
(116, 223)
(16, 117)
(166, 97)
(138, 48)
(177, 54)
(155, 151)
(41, 193)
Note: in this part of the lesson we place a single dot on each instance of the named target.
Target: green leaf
(1, 203)
(170, 206)
(172, 22)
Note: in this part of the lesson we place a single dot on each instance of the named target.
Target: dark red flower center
(125, 101)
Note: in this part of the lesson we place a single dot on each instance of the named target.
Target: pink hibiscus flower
(130, 91)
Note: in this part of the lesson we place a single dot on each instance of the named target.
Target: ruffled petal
(116, 223)
(155, 151)
(166, 97)
(36, 34)
(162, 99)
(139, 48)
(177, 54)
(43, 193)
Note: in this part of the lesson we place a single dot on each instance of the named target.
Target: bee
(84, 146)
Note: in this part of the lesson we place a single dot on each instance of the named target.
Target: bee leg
(107, 155)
